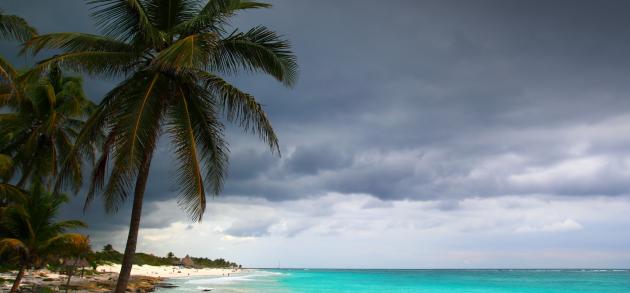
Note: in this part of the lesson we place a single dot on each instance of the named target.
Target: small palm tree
(39, 131)
(171, 55)
(29, 232)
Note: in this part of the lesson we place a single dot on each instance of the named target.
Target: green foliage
(108, 247)
(113, 256)
(29, 232)
(38, 131)
(170, 55)
(106, 256)
(150, 259)
(217, 263)
(15, 28)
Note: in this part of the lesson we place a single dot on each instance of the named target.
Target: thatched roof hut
(187, 262)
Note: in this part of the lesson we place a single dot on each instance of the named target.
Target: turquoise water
(424, 281)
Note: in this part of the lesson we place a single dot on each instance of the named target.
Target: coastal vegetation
(108, 255)
(171, 58)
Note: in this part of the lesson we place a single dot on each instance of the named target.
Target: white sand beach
(166, 271)
(142, 277)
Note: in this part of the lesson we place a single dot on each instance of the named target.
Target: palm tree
(29, 232)
(171, 55)
(39, 131)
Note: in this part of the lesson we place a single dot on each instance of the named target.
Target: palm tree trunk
(18, 279)
(134, 225)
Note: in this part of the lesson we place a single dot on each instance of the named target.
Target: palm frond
(213, 147)
(166, 14)
(242, 108)
(258, 49)
(7, 72)
(192, 196)
(213, 15)
(69, 224)
(75, 42)
(84, 145)
(99, 171)
(10, 193)
(15, 27)
(191, 52)
(136, 127)
(12, 244)
(125, 20)
(89, 62)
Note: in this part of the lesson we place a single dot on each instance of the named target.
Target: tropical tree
(108, 248)
(29, 232)
(171, 55)
(39, 130)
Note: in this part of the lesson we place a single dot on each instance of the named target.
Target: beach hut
(187, 262)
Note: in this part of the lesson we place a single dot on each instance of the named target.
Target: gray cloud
(422, 100)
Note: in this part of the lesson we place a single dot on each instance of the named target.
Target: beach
(144, 278)
(167, 271)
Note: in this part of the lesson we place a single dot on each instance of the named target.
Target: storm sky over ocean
(420, 134)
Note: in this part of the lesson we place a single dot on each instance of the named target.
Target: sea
(424, 281)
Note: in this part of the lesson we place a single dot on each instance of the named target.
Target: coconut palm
(39, 131)
(29, 232)
(171, 55)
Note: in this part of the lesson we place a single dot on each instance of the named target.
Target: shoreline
(167, 272)
(144, 278)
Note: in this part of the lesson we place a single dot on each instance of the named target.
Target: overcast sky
(421, 134)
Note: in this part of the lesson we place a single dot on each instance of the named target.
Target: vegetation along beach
(430, 146)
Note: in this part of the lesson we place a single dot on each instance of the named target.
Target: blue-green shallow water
(425, 281)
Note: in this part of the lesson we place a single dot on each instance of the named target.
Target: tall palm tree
(39, 131)
(171, 54)
(29, 232)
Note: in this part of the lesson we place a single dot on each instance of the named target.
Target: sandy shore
(166, 271)
(143, 277)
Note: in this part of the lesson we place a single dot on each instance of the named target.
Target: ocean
(424, 281)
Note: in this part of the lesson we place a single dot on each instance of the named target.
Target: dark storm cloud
(423, 99)
(312, 159)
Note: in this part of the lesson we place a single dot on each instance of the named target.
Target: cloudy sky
(421, 134)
